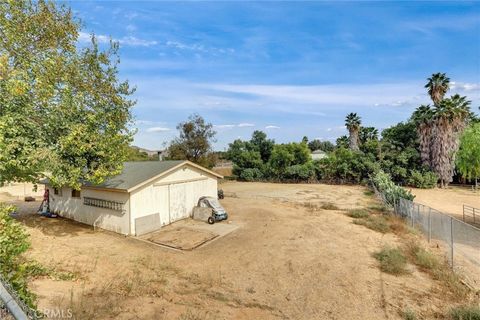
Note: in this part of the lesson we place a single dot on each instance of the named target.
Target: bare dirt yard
(449, 201)
(297, 255)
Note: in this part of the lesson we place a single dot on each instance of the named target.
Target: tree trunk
(353, 140)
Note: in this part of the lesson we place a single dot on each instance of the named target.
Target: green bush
(300, 172)
(251, 174)
(14, 242)
(422, 179)
(392, 192)
(346, 166)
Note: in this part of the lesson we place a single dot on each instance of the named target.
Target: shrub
(465, 313)
(422, 179)
(392, 260)
(347, 166)
(14, 242)
(329, 206)
(421, 257)
(300, 172)
(392, 192)
(376, 223)
(357, 213)
(251, 174)
(409, 315)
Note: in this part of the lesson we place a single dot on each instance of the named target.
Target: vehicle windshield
(215, 204)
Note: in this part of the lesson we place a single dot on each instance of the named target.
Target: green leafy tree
(135, 154)
(468, 157)
(286, 155)
(63, 110)
(325, 146)
(194, 142)
(353, 122)
(260, 143)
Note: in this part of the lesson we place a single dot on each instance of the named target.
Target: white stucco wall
(171, 197)
(73, 208)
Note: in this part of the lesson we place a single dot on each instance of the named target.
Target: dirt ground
(288, 260)
(449, 201)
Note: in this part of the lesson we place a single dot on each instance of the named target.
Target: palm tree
(422, 117)
(353, 122)
(368, 133)
(450, 119)
(438, 85)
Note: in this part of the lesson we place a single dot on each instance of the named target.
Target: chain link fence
(11, 306)
(460, 240)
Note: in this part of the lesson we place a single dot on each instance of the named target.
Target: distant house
(318, 154)
(144, 197)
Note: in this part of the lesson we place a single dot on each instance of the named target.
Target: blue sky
(287, 68)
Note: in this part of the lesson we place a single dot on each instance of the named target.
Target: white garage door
(178, 201)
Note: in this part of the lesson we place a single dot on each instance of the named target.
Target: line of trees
(419, 152)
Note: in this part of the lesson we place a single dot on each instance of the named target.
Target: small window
(57, 192)
(75, 193)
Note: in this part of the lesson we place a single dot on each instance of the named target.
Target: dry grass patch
(329, 206)
(358, 213)
(375, 222)
(465, 313)
(392, 260)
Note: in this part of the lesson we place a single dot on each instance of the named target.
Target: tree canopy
(194, 142)
(63, 111)
(468, 157)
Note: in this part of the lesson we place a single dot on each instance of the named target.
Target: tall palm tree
(451, 117)
(353, 122)
(438, 85)
(423, 119)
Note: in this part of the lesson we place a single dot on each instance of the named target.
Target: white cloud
(229, 126)
(158, 129)
(128, 40)
(464, 86)
(271, 127)
(195, 47)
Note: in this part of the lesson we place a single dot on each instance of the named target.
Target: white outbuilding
(144, 197)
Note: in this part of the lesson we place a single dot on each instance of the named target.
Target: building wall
(169, 198)
(73, 208)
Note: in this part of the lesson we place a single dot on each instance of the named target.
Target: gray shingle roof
(134, 173)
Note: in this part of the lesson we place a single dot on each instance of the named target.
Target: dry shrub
(358, 213)
(465, 313)
(329, 206)
(375, 222)
(392, 261)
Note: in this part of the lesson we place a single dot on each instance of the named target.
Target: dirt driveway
(290, 259)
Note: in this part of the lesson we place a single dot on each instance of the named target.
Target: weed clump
(392, 260)
(358, 213)
(376, 223)
(465, 313)
(329, 206)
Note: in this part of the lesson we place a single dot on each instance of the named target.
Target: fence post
(429, 224)
(413, 211)
(451, 240)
